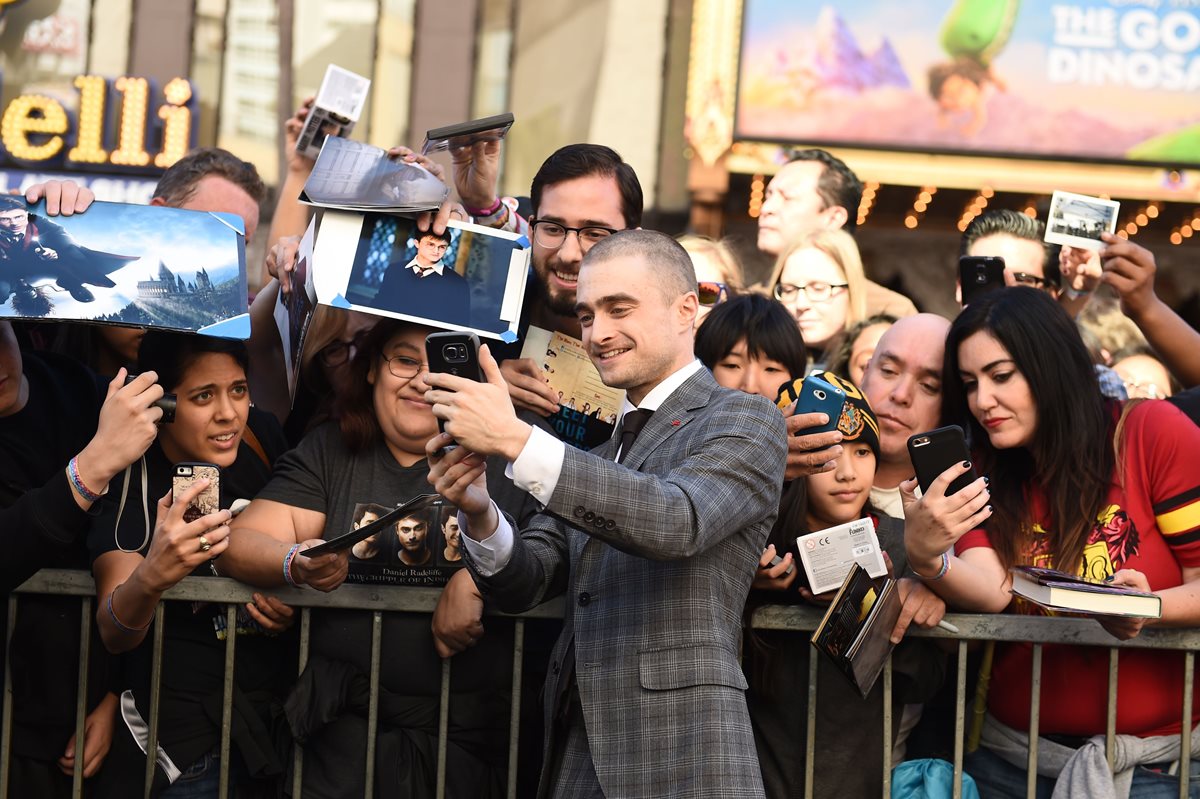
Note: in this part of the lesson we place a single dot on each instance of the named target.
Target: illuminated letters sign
(114, 128)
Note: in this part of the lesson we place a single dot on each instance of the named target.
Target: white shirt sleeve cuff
(537, 469)
(492, 553)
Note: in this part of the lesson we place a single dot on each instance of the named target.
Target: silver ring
(204, 544)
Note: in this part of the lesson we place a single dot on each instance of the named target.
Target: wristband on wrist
(287, 566)
(112, 614)
(78, 484)
(1074, 294)
(491, 210)
(942, 572)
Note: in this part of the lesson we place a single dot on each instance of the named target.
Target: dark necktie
(632, 424)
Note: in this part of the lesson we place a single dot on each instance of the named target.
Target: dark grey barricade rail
(380, 600)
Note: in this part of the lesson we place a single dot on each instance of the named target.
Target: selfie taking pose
(1081, 484)
(140, 550)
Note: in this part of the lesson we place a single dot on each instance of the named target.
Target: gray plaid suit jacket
(657, 555)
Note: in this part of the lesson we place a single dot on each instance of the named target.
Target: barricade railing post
(231, 612)
(160, 623)
(960, 718)
(297, 747)
(1185, 738)
(887, 727)
(514, 718)
(373, 702)
(6, 714)
(1035, 709)
(810, 759)
(81, 705)
(443, 729)
(1110, 720)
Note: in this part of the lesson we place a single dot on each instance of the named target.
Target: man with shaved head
(655, 535)
(903, 383)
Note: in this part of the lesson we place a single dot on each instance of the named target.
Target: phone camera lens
(819, 394)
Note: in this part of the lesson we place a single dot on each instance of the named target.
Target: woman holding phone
(373, 454)
(1080, 484)
(134, 562)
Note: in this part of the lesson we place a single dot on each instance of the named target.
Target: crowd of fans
(1058, 379)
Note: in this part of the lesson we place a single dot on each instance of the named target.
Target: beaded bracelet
(78, 484)
(942, 572)
(485, 212)
(112, 614)
(287, 566)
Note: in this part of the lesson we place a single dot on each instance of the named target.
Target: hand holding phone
(979, 275)
(209, 500)
(813, 394)
(934, 452)
(454, 353)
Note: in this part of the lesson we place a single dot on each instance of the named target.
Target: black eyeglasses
(815, 291)
(552, 235)
(712, 293)
(1027, 279)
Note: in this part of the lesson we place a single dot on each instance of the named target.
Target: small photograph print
(354, 176)
(467, 278)
(141, 265)
(376, 548)
(1077, 220)
(293, 313)
(449, 543)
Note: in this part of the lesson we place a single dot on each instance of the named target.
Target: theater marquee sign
(114, 130)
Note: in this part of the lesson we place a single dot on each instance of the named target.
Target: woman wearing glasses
(819, 278)
(718, 273)
(373, 453)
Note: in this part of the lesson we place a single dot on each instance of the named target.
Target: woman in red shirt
(1079, 484)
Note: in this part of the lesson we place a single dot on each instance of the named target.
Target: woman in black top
(134, 563)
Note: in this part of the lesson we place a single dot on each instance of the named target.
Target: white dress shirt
(537, 469)
(420, 270)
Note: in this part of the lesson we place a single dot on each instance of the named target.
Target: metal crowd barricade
(379, 600)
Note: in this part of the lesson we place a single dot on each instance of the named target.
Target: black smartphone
(209, 500)
(936, 451)
(979, 275)
(813, 394)
(464, 134)
(455, 353)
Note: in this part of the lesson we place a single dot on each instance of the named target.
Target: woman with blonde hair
(819, 278)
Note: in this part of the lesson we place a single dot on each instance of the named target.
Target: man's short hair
(672, 265)
(1005, 221)
(584, 160)
(429, 234)
(12, 202)
(837, 186)
(179, 182)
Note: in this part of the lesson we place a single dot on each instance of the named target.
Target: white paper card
(828, 554)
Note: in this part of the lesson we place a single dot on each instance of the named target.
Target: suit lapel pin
(675, 423)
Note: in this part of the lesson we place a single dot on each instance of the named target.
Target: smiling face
(753, 374)
(592, 200)
(838, 496)
(406, 420)
(213, 405)
(634, 334)
(819, 322)
(903, 382)
(998, 395)
(451, 531)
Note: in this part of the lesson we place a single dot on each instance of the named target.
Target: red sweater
(1152, 524)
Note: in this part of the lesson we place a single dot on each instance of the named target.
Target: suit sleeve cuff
(537, 469)
(492, 553)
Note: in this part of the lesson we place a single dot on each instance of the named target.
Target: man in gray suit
(655, 550)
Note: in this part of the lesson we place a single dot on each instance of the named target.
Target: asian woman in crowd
(135, 561)
(752, 344)
(1072, 481)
